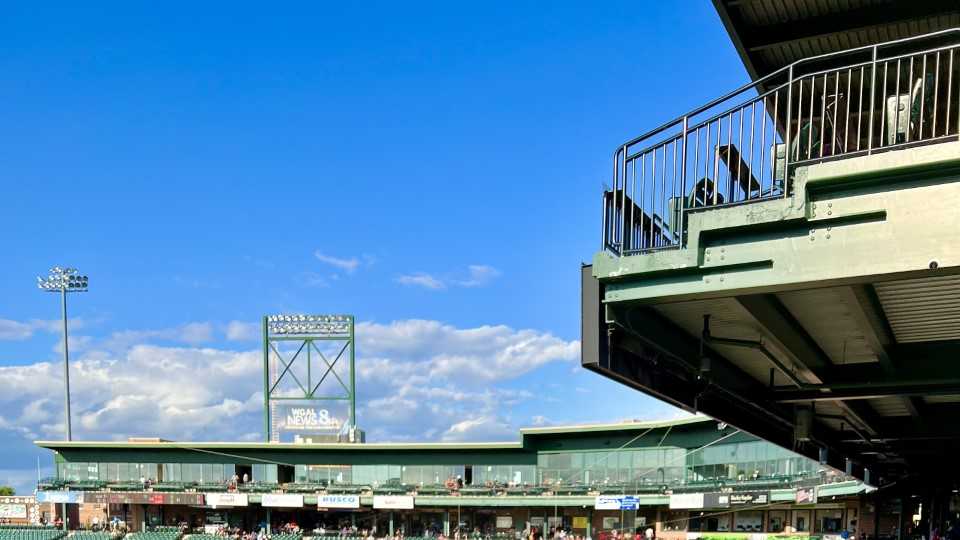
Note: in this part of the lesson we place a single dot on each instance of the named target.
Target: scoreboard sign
(13, 511)
(100, 497)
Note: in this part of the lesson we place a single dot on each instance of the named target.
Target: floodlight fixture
(64, 280)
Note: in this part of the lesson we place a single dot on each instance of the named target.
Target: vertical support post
(446, 522)
(390, 531)
(873, 94)
(623, 204)
(876, 513)
(266, 387)
(63, 510)
(353, 376)
(268, 522)
(590, 511)
(683, 189)
(66, 364)
(789, 139)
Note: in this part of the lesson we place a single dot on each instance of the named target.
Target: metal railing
(745, 146)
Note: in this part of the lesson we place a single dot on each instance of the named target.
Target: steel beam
(867, 312)
(870, 391)
(774, 317)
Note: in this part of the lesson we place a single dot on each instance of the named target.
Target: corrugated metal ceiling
(924, 309)
(817, 27)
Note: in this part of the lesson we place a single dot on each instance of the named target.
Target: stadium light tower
(63, 281)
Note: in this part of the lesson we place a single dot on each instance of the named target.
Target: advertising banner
(716, 500)
(806, 496)
(100, 497)
(616, 502)
(13, 511)
(309, 418)
(686, 501)
(278, 500)
(338, 501)
(226, 499)
(59, 497)
(393, 502)
(504, 522)
(580, 522)
(749, 497)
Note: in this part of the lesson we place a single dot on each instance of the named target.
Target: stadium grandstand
(685, 478)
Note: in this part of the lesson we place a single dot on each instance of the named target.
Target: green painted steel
(838, 228)
(309, 392)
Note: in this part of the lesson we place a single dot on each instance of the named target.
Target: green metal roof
(373, 447)
(619, 426)
(173, 445)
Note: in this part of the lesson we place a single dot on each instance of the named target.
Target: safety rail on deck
(745, 146)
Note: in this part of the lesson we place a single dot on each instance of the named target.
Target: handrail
(747, 147)
(784, 69)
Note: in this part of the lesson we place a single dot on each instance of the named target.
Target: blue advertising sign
(617, 502)
(59, 497)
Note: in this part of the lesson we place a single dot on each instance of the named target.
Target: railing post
(789, 138)
(682, 202)
(873, 97)
(623, 203)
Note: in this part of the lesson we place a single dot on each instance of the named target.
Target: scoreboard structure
(309, 379)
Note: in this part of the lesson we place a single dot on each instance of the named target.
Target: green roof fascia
(850, 487)
(524, 433)
(619, 426)
(177, 445)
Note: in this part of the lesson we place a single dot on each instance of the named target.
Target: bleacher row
(30, 533)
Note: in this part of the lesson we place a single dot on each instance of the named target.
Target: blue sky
(433, 168)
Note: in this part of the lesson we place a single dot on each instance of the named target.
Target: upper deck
(784, 257)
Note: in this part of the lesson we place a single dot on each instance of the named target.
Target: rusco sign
(338, 501)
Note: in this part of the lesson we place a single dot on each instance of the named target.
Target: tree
(6, 490)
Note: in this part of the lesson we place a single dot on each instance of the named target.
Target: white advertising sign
(607, 502)
(309, 419)
(393, 502)
(217, 500)
(278, 500)
(504, 522)
(686, 501)
(9, 511)
(338, 501)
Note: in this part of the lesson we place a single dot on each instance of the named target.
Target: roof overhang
(770, 34)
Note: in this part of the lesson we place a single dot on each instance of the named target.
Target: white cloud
(194, 333)
(15, 330)
(482, 428)
(479, 275)
(476, 275)
(11, 330)
(421, 279)
(242, 331)
(348, 265)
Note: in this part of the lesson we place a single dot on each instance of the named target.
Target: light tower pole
(63, 281)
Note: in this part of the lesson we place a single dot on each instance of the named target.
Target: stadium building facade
(687, 478)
